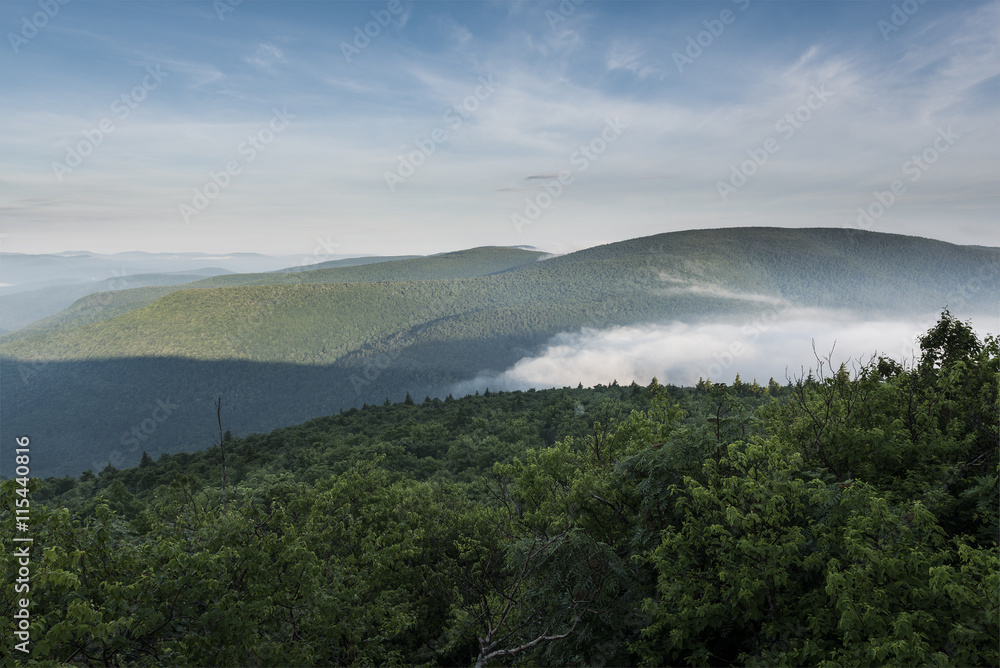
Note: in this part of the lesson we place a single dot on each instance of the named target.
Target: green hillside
(808, 266)
(842, 519)
(460, 264)
(320, 323)
(347, 262)
(23, 308)
(318, 317)
(288, 351)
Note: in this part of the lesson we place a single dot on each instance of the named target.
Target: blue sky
(450, 125)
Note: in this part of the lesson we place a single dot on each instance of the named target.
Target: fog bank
(776, 344)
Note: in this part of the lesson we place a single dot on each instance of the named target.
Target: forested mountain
(23, 308)
(348, 262)
(460, 264)
(47, 284)
(681, 274)
(842, 519)
(288, 346)
(24, 271)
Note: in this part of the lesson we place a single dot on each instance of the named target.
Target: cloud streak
(686, 287)
(559, 84)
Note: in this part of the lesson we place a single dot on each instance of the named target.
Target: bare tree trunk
(222, 445)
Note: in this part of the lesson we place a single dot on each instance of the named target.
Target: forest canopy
(848, 517)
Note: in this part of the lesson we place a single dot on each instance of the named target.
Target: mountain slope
(286, 352)
(473, 262)
(319, 316)
(460, 264)
(20, 309)
(348, 262)
(809, 266)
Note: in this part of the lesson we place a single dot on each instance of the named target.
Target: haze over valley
(286, 346)
(500, 333)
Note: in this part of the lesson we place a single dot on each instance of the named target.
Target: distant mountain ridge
(29, 271)
(456, 264)
(34, 286)
(20, 309)
(347, 262)
(286, 346)
(485, 292)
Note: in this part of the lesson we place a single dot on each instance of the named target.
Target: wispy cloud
(265, 56)
(560, 81)
(458, 34)
(628, 57)
(681, 286)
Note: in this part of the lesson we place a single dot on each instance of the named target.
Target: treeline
(318, 323)
(86, 413)
(461, 264)
(284, 353)
(850, 518)
(316, 317)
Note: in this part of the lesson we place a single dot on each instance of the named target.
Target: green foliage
(288, 346)
(846, 520)
(738, 568)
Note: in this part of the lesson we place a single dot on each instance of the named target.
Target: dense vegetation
(104, 306)
(288, 346)
(848, 518)
(22, 308)
(678, 274)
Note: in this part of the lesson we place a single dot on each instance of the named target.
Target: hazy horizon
(227, 254)
(415, 128)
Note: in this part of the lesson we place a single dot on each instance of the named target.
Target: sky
(331, 128)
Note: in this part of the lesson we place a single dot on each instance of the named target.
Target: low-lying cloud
(776, 344)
